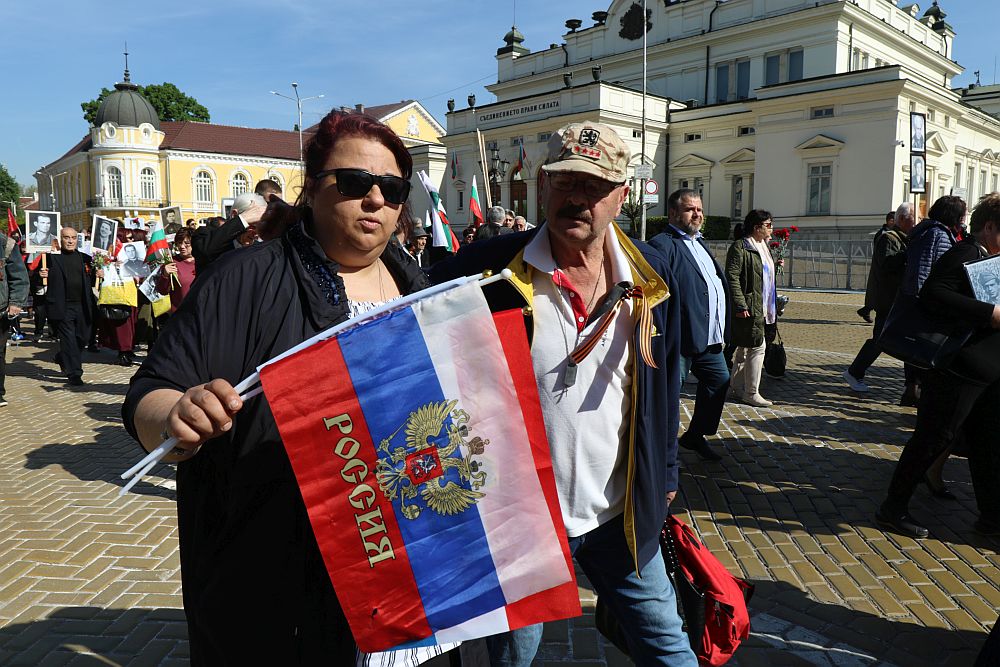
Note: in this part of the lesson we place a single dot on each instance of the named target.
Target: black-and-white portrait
(227, 207)
(171, 219)
(918, 174)
(40, 229)
(133, 260)
(984, 276)
(102, 234)
(918, 133)
(149, 287)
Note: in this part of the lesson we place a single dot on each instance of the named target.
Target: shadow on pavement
(111, 453)
(96, 637)
(793, 621)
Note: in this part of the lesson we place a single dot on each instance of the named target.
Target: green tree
(10, 190)
(168, 100)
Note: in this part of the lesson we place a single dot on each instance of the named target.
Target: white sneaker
(855, 383)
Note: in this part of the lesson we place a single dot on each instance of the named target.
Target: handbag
(115, 291)
(775, 359)
(114, 313)
(161, 306)
(914, 338)
(712, 602)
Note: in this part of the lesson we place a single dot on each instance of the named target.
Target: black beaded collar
(320, 269)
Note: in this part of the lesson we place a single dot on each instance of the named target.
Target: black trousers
(870, 351)
(4, 333)
(73, 333)
(949, 406)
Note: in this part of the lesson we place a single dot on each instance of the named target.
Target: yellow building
(132, 164)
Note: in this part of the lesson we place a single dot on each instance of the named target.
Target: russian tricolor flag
(418, 444)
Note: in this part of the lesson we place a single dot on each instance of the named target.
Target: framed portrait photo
(918, 132)
(227, 206)
(133, 260)
(171, 219)
(918, 174)
(102, 234)
(40, 229)
(984, 276)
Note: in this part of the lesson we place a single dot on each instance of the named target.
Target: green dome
(126, 107)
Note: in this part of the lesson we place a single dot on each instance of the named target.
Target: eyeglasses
(358, 183)
(592, 187)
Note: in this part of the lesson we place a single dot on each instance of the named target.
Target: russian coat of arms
(434, 463)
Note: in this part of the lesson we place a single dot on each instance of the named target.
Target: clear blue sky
(229, 55)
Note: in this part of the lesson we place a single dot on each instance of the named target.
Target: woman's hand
(43, 273)
(170, 268)
(995, 320)
(202, 413)
(743, 313)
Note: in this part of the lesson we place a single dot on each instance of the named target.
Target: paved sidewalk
(87, 579)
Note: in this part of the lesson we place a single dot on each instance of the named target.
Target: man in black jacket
(71, 303)
(888, 268)
(208, 244)
(703, 292)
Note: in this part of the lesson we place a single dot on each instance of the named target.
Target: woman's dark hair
(338, 125)
(949, 211)
(986, 210)
(755, 218)
(405, 222)
(183, 234)
(486, 232)
(738, 231)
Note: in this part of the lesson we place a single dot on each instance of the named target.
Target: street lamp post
(298, 106)
(52, 186)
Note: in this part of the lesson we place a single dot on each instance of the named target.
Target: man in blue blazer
(703, 293)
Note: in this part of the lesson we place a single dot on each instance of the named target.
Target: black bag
(914, 338)
(114, 313)
(775, 358)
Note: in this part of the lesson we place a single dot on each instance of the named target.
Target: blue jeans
(713, 384)
(645, 607)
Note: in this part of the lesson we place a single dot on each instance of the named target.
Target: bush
(716, 227)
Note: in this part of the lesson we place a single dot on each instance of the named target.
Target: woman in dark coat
(256, 590)
(750, 271)
(964, 398)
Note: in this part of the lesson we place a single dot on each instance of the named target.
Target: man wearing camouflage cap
(605, 349)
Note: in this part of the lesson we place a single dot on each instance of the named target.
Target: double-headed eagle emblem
(431, 450)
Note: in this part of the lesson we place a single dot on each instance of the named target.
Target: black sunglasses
(358, 183)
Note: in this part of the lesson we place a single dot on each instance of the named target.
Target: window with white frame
(982, 182)
(203, 187)
(732, 81)
(543, 137)
(822, 112)
(994, 188)
(114, 188)
(692, 136)
(795, 64)
(461, 200)
(239, 184)
(970, 181)
(746, 130)
(147, 183)
(820, 186)
(696, 184)
(738, 197)
(958, 174)
(772, 69)
(722, 83)
(277, 179)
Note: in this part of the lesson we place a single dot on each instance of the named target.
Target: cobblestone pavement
(88, 579)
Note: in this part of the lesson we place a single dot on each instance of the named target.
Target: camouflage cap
(588, 148)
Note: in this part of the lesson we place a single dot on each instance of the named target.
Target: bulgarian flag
(454, 166)
(522, 158)
(442, 235)
(474, 207)
(157, 246)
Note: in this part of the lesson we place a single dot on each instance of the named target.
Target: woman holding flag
(256, 589)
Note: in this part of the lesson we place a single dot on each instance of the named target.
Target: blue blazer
(691, 290)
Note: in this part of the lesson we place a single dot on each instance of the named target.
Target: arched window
(203, 187)
(240, 184)
(147, 183)
(114, 189)
(281, 184)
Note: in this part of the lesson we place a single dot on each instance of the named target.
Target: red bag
(722, 619)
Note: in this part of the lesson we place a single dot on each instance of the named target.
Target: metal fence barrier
(834, 265)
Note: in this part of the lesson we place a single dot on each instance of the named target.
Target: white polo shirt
(587, 421)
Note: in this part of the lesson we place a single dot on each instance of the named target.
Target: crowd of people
(615, 327)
